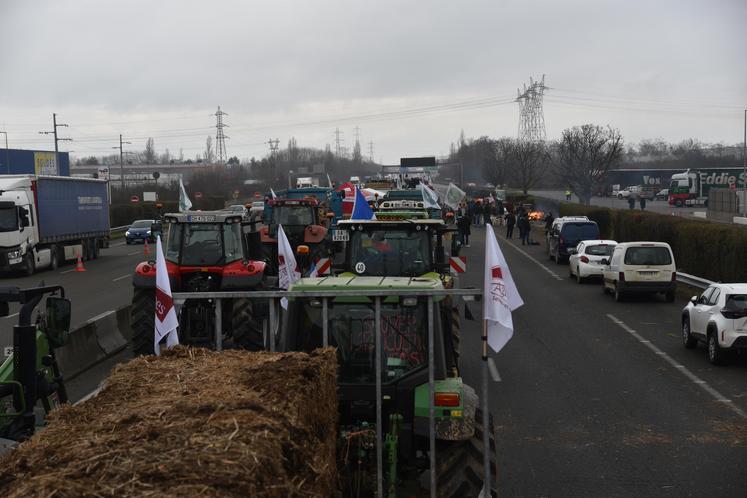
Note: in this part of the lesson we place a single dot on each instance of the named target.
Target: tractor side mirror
(23, 214)
(4, 309)
(156, 228)
(58, 316)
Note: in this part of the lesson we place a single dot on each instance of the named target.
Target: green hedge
(710, 250)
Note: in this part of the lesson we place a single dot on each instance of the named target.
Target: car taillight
(621, 276)
(584, 259)
(446, 399)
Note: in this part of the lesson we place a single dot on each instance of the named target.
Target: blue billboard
(34, 162)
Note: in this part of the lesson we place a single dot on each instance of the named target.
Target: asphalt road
(106, 285)
(599, 398)
(614, 202)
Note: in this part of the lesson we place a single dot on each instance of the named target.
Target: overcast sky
(410, 74)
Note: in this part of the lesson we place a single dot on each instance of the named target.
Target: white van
(640, 267)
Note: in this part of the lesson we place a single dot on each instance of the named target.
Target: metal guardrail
(275, 295)
(119, 229)
(693, 281)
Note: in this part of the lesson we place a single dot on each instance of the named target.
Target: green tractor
(404, 242)
(31, 383)
(351, 328)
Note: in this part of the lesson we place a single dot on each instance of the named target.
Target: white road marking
(129, 275)
(11, 316)
(687, 373)
(133, 253)
(493, 370)
(67, 271)
(548, 270)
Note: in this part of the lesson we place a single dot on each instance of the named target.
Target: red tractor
(303, 222)
(205, 252)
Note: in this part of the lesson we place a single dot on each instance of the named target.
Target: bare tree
(149, 155)
(529, 163)
(495, 166)
(209, 152)
(584, 155)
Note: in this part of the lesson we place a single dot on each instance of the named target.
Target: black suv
(566, 233)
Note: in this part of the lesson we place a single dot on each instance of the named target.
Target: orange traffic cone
(79, 265)
(146, 249)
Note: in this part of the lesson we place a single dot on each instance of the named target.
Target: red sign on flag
(496, 272)
(164, 303)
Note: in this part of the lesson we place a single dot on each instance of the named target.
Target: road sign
(103, 173)
(134, 199)
(198, 195)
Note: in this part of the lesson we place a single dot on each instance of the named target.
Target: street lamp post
(7, 153)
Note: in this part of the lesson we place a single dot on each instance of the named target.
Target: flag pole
(485, 412)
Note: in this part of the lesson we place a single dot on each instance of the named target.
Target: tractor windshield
(390, 252)
(351, 328)
(293, 215)
(204, 244)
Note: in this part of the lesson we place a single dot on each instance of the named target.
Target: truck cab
(686, 189)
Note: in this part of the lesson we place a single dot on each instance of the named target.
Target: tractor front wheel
(246, 321)
(142, 320)
(460, 471)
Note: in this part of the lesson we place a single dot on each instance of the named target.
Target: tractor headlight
(14, 254)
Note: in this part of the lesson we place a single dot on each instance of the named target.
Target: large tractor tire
(246, 324)
(460, 464)
(142, 320)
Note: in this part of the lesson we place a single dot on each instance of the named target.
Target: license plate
(340, 236)
(200, 218)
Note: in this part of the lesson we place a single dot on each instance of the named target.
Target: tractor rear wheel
(142, 320)
(460, 470)
(246, 324)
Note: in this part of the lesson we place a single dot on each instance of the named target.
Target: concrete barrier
(96, 340)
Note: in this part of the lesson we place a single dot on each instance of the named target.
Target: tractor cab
(205, 251)
(397, 243)
(302, 223)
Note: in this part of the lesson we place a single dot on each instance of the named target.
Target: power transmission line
(220, 138)
(274, 146)
(121, 160)
(370, 151)
(56, 125)
(338, 148)
(531, 115)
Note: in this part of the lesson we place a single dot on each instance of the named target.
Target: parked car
(240, 209)
(586, 259)
(640, 267)
(256, 210)
(565, 234)
(717, 318)
(662, 195)
(139, 231)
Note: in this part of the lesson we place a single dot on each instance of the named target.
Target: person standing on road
(463, 224)
(643, 203)
(510, 222)
(568, 194)
(524, 227)
(478, 211)
(631, 201)
(548, 221)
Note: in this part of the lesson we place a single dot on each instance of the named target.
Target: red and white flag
(501, 296)
(166, 321)
(287, 267)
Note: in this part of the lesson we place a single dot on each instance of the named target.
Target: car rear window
(648, 256)
(736, 301)
(580, 231)
(600, 250)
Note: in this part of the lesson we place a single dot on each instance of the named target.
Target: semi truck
(46, 220)
(691, 187)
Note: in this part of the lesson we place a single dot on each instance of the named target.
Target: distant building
(34, 162)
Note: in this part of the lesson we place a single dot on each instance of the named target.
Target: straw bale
(191, 423)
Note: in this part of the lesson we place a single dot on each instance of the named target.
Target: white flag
(500, 294)
(287, 266)
(166, 321)
(272, 192)
(184, 203)
(429, 196)
(454, 196)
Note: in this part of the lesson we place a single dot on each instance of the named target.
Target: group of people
(479, 213)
